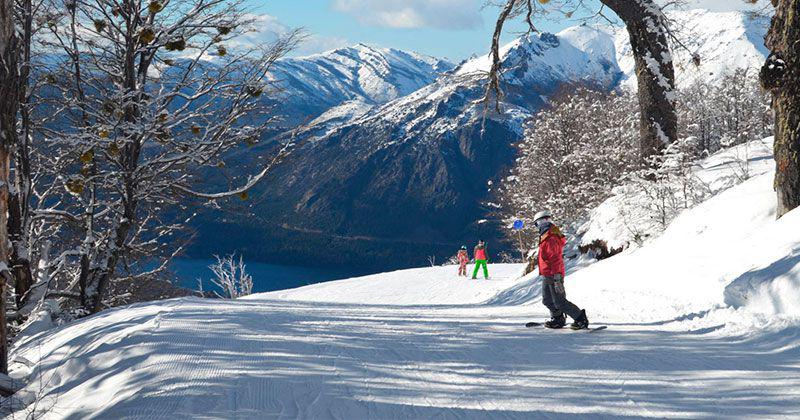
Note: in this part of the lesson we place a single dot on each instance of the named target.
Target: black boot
(556, 322)
(582, 322)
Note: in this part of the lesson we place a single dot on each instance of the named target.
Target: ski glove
(559, 286)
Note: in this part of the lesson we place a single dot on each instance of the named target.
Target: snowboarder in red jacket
(463, 259)
(551, 269)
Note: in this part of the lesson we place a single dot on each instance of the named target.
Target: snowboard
(592, 329)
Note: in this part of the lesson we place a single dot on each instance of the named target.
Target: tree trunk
(105, 274)
(655, 73)
(19, 260)
(18, 212)
(9, 88)
(781, 76)
(5, 274)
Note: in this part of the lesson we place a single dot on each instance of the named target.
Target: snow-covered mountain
(724, 42)
(390, 184)
(361, 73)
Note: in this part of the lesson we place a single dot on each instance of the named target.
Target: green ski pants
(478, 265)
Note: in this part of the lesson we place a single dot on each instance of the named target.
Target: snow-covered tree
(781, 76)
(154, 96)
(733, 111)
(649, 33)
(572, 155)
(20, 215)
(666, 186)
(230, 276)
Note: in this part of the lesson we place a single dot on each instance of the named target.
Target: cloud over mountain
(266, 29)
(438, 14)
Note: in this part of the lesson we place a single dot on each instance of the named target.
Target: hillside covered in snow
(702, 323)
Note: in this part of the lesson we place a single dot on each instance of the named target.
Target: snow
(771, 285)
(726, 254)
(704, 318)
(539, 63)
(592, 40)
(703, 322)
(621, 221)
(448, 290)
(326, 123)
(712, 36)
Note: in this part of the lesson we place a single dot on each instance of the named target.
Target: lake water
(266, 277)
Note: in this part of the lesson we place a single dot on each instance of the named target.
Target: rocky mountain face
(392, 170)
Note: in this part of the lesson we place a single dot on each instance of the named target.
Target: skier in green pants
(480, 260)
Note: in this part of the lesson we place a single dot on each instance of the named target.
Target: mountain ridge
(316, 83)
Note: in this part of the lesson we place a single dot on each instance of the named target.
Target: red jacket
(551, 252)
(463, 258)
(480, 253)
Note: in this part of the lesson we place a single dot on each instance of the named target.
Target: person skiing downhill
(480, 253)
(463, 259)
(551, 270)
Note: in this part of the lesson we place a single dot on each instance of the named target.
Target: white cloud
(266, 29)
(439, 14)
(315, 44)
(724, 5)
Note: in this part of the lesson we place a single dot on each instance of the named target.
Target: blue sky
(454, 29)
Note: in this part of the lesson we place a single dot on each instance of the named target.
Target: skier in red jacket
(551, 269)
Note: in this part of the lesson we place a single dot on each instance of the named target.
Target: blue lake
(266, 277)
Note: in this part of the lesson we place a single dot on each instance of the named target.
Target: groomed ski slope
(703, 323)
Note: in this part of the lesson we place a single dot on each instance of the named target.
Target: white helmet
(542, 215)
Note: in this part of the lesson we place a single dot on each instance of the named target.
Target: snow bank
(685, 270)
(727, 252)
(772, 285)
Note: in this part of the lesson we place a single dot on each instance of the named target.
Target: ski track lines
(264, 357)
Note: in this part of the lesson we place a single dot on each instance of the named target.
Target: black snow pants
(555, 298)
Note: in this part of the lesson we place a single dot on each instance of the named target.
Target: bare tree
(648, 31)
(781, 76)
(230, 275)
(155, 96)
